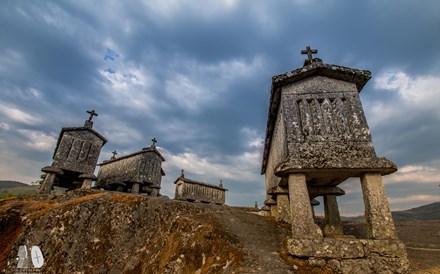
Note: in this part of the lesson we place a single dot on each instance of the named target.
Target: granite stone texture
(75, 157)
(139, 172)
(195, 191)
(352, 255)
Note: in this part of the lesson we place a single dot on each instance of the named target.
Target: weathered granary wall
(278, 152)
(198, 192)
(325, 120)
(78, 150)
(144, 166)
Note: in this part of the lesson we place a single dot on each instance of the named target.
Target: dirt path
(260, 238)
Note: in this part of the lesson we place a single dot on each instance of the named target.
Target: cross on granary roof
(114, 155)
(309, 53)
(92, 113)
(154, 142)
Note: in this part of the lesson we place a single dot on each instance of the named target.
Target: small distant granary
(75, 157)
(139, 172)
(194, 191)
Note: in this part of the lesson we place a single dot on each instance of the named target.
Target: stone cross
(114, 155)
(182, 173)
(309, 52)
(221, 183)
(92, 113)
(154, 142)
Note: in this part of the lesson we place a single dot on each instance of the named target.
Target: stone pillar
(47, 185)
(283, 207)
(51, 174)
(120, 188)
(135, 188)
(87, 180)
(274, 211)
(377, 209)
(87, 183)
(333, 224)
(303, 225)
(314, 203)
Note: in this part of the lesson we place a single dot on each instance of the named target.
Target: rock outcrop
(90, 231)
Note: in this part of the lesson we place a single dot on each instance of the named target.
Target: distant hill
(430, 212)
(421, 213)
(10, 184)
(21, 188)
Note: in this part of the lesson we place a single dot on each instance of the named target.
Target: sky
(196, 75)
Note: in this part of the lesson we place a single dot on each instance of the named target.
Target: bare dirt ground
(422, 241)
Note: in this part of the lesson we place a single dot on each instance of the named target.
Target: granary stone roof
(314, 68)
(186, 180)
(85, 128)
(144, 150)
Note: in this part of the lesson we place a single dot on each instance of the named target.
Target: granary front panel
(78, 151)
(151, 167)
(325, 124)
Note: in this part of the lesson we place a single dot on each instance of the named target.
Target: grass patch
(8, 195)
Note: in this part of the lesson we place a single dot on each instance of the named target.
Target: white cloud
(170, 10)
(129, 86)
(117, 132)
(186, 93)
(10, 60)
(201, 84)
(18, 115)
(253, 139)
(421, 92)
(416, 174)
(19, 169)
(4, 126)
(420, 198)
(243, 167)
(38, 140)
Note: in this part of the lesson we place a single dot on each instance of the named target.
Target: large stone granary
(317, 137)
(75, 157)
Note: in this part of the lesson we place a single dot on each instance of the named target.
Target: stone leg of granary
(303, 225)
(87, 183)
(135, 188)
(333, 224)
(154, 192)
(47, 184)
(283, 207)
(120, 188)
(274, 211)
(377, 208)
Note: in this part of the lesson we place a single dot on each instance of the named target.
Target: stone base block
(340, 255)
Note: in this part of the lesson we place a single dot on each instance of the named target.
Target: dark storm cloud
(197, 76)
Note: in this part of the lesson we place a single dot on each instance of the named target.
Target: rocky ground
(103, 232)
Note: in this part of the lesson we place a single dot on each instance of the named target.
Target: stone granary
(75, 157)
(139, 172)
(194, 191)
(317, 137)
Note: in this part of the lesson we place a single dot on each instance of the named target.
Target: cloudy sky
(197, 75)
